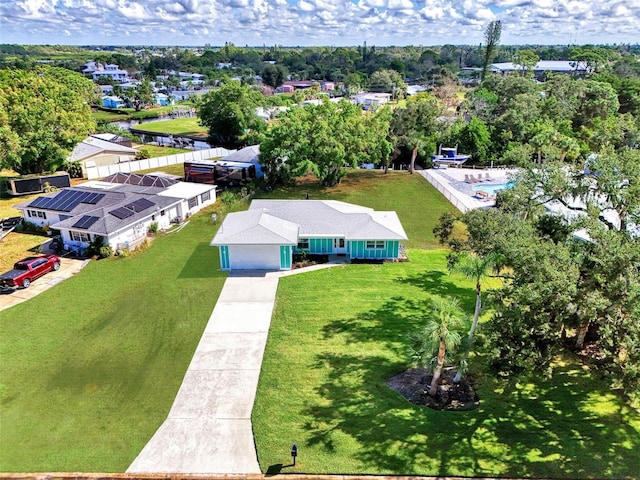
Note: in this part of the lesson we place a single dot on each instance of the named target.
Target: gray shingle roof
(313, 218)
(91, 146)
(116, 197)
(256, 227)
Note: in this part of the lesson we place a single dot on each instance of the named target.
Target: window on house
(193, 202)
(42, 215)
(79, 236)
(377, 244)
(205, 197)
(162, 213)
(303, 243)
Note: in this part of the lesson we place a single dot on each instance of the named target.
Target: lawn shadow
(274, 470)
(203, 263)
(526, 427)
(440, 283)
(389, 323)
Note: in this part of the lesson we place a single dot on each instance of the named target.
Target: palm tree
(440, 335)
(477, 268)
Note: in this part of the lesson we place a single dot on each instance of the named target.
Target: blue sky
(316, 22)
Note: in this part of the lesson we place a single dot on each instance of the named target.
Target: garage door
(254, 257)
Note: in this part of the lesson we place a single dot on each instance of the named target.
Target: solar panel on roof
(40, 202)
(65, 201)
(86, 221)
(122, 213)
(140, 205)
(94, 198)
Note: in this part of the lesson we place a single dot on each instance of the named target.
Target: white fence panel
(447, 194)
(157, 162)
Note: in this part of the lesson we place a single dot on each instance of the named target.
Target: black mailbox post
(294, 453)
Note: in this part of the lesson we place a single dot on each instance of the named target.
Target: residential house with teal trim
(266, 236)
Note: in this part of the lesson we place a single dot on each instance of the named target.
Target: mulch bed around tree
(413, 384)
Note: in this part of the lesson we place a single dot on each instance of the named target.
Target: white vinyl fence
(446, 190)
(158, 162)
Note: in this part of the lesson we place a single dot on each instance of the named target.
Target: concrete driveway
(68, 268)
(208, 430)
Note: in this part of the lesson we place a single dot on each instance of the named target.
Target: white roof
(312, 218)
(255, 227)
(544, 65)
(91, 146)
(186, 190)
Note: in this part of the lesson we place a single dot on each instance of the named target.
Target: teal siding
(358, 249)
(285, 257)
(320, 245)
(224, 257)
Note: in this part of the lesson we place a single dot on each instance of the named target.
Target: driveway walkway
(208, 430)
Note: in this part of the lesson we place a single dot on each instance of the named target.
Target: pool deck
(451, 182)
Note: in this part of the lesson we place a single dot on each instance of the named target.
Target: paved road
(208, 430)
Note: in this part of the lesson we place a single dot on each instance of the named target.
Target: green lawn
(124, 114)
(178, 126)
(90, 368)
(338, 334)
(160, 151)
(104, 116)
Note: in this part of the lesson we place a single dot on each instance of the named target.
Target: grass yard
(338, 334)
(90, 368)
(15, 246)
(178, 126)
(124, 114)
(159, 151)
(417, 203)
(104, 116)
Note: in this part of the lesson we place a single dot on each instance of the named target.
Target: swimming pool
(492, 188)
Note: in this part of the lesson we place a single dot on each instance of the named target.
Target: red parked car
(27, 270)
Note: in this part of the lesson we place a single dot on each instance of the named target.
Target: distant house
(185, 94)
(112, 72)
(556, 66)
(266, 236)
(90, 67)
(111, 101)
(293, 85)
(121, 213)
(370, 99)
(95, 152)
(162, 99)
(285, 89)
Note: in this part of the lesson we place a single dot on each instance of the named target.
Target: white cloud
(314, 22)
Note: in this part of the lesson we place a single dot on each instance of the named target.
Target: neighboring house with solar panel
(266, 236)
(96, 152)
(121, 212)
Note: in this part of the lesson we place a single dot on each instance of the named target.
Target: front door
(339, 246)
